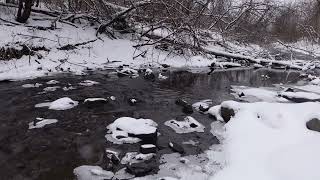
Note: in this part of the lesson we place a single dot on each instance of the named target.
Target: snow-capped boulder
(162, 77)
(135, 157)
(187, 125)
(131, 130)
(63, 104)
(126, 71)
(41, 122)
(202, 106)
(223, 112)
(88, 83)
(148, 74)
(59, 104)
(95, 102)
(148, 148)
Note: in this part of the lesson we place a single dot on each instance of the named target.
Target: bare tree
(24, 10)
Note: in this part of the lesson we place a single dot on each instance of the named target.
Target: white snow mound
(124, 126)
(270, 141)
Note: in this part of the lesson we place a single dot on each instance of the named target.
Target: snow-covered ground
(270, 141)
(102, 52)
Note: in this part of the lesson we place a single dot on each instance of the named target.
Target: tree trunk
(24, 10)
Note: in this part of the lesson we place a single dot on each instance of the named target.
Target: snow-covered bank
(104, 53)
(270, 141)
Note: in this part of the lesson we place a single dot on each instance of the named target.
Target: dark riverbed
(54, 151)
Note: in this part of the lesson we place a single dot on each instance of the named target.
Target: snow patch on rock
(135, 157)
(36, 85)
(122, 129)
(251, 94)
(88, 83)
(52, 82)
(59, 104)
(188, 125)
(41, 122)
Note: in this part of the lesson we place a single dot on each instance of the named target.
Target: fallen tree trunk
(252, 60)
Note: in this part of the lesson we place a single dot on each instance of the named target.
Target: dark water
(78, 138)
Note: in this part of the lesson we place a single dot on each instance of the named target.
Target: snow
(188, 125)
(148, 71)
(36, 85)
(113, 98)
(51, 89)
(126, 125)
(68, 88)
(205, 104)
(173, 166)
(148, 146)
(162, 77)
(316, 81)
(88, 83)
(257, 94)
(305, 95)
(309, 88)
(41, 122)
(128, 71)
(64, 103)
(104, 53)
(95, 99)
(87, 172)
(52, 82)
(135, 157)
(272, 140)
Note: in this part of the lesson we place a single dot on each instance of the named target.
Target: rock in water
(150, 138)
(289, 90)
(203, 108)
(176, 147)
(314, 125)
(95, 102)
(241, 94)
(149, 75)
(140, 169)
(132, 101)
(148, 148)
(187, 108)
(226, 113)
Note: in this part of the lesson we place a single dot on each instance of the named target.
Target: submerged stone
(176, 147)
(141, 169)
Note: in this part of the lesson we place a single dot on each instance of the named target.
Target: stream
(78, 138)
